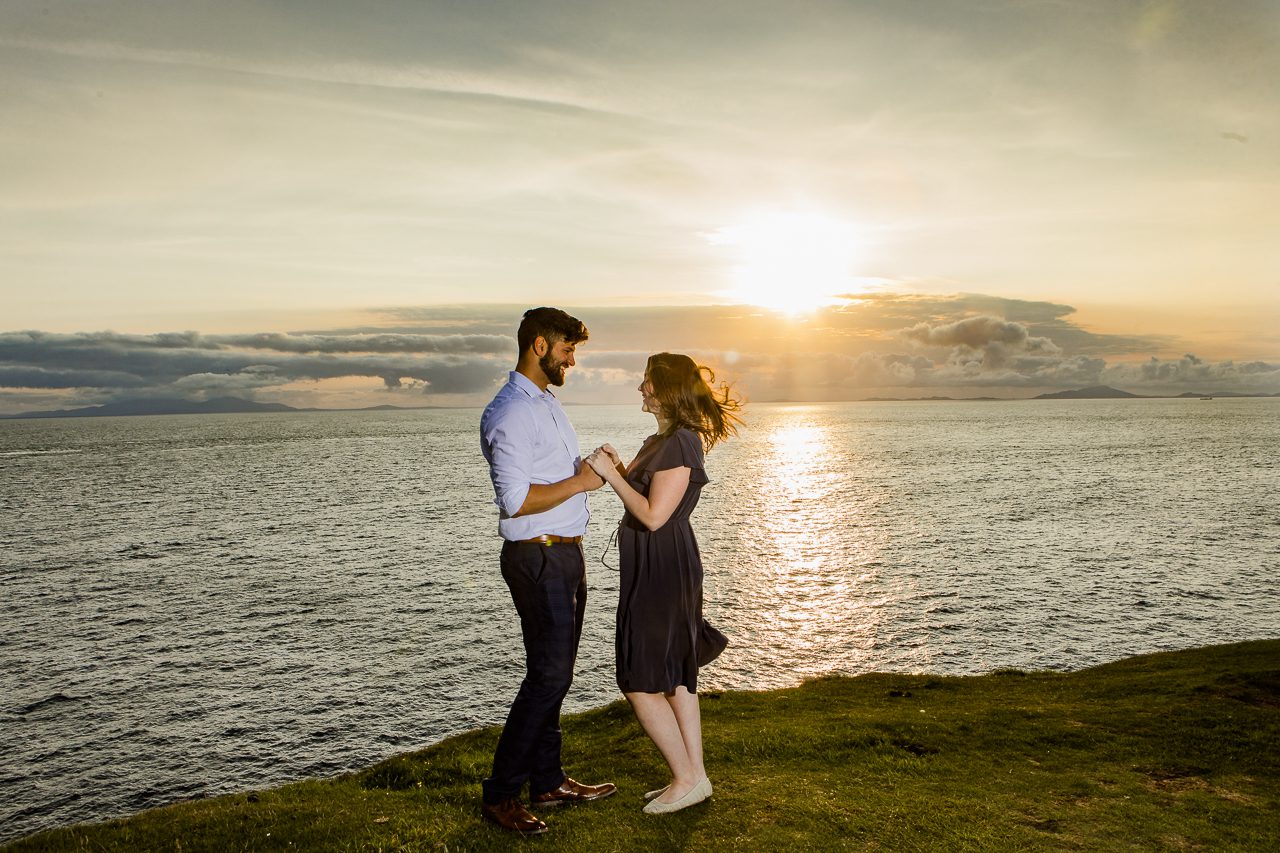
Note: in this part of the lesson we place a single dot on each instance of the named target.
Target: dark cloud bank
(912, 345)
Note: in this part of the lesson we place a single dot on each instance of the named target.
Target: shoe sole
(521, 832)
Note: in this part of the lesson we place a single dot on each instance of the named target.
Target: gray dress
(660, 600)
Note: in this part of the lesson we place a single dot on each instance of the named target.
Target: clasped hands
(603, 460)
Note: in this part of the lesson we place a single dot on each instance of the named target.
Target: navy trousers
(548, 584)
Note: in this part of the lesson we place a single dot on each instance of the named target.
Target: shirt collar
(525, 384)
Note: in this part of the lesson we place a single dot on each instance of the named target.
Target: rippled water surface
(196, 605)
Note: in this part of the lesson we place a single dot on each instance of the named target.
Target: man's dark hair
(552, 324)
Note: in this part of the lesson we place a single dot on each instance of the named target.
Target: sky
(341, 205)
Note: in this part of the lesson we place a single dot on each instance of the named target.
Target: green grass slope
(1175, 751)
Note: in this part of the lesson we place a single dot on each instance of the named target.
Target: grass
(1174, 751)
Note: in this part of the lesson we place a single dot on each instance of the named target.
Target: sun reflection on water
(810, 548)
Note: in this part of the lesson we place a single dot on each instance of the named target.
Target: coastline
(1163, 750)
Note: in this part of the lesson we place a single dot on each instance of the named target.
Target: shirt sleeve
(509, 437)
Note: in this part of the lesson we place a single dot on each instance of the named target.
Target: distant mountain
(163, 406)
(1190, 394)
(931, 399)
(1105, 392)
(1093, 392)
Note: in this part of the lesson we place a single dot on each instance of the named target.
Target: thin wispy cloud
(163, 163)
(418, 78)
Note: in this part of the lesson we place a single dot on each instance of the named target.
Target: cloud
(871, 372)
(30, 376)
(194, 364)
(371, 343)
(990, 351)
(873, 320)
(877, 370)
(1191, 373)
(314, 342)
(1028, 373)
(979, 333)
(241, 384)
(879, 345)
(889, 312)
(903, 307)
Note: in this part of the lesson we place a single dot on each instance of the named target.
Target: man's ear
(540, 346)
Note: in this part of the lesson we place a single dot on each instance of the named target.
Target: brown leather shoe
(574, 792)
(512, 815)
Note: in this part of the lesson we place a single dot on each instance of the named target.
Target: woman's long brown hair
(689, 399)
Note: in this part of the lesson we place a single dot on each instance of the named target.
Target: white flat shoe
(696, 794)
(649, 795)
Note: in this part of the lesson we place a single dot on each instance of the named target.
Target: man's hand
(589, 479)
(545, 496)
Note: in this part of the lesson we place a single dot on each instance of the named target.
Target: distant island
(1093, 392)
(236, 405)
(1106, 392)
(929, 399)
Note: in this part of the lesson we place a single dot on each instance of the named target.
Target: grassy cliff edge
(1178, 750)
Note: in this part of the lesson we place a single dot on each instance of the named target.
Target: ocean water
(191, 606)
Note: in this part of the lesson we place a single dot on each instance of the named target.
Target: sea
(198, 605)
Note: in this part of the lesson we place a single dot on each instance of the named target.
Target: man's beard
(553, 370)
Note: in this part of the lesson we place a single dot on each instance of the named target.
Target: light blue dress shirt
(526, 438)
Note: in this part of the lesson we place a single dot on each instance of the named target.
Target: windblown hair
(551, 324)
(689, 399)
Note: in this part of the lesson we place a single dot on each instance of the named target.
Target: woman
(661, 635)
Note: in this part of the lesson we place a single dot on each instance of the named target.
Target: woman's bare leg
(684, 705)
(658, 719)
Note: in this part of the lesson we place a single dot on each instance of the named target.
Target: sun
(791, 262)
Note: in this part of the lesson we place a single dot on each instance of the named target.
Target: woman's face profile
(649, 403)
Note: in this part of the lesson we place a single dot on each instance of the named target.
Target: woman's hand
(601, 463)
(608, 450)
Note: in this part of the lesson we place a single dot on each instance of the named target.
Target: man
(541, 485)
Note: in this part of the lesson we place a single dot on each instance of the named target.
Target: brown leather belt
(551, 539)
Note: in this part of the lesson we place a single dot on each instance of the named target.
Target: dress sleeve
(682, 449)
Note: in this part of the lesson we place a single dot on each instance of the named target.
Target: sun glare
(789, 262)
